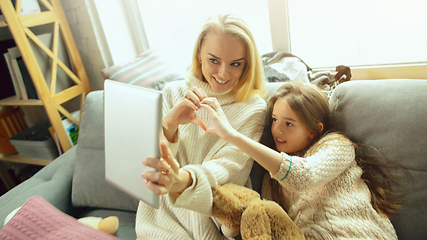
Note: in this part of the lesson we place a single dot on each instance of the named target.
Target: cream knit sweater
(210, 161)
(325, 195)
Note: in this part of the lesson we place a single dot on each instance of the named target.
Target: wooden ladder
(19, 26)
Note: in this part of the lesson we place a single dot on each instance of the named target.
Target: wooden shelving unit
(4, 175)
(17, 158)
(20, 27)
(12, 101)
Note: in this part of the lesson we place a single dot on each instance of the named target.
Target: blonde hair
(252, 80)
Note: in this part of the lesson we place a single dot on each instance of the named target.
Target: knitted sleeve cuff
(198, 196)
(285, 168)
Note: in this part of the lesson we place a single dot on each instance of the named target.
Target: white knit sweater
(325, 195)
(210, 161)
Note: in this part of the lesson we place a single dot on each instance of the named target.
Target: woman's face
(223, 59)
(289, 132)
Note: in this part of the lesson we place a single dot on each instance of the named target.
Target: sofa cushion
(149, 69)
(390, 115)
(89, 186)
(52, 182)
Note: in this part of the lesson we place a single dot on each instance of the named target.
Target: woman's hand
(168, 178)
(222, 127)
(184, 112)
(265, 156)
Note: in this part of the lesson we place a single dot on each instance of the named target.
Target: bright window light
(173, 26)
(358, 32)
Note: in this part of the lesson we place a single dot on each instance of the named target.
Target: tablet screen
(132, 128)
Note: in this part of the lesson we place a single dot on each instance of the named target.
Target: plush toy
(241, 209)
(109, 225)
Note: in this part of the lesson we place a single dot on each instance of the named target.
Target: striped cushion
(146, 70)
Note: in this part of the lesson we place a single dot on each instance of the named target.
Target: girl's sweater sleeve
(224, 162)
(326, 160)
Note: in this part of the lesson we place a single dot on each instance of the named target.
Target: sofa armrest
(53, 183)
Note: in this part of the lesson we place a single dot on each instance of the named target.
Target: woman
(226, 65)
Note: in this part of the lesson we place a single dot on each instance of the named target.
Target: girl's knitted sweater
(210, 161)
(326, 196)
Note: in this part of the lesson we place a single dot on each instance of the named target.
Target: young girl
(317, 177)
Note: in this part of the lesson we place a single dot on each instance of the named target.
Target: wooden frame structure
(52, 101)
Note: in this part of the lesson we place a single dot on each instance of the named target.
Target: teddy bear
(109, 225)
(240, 209)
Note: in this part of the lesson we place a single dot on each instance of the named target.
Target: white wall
(118, 29)
(103, 35)
(89, 40)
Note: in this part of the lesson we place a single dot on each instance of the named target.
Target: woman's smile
(219, 81)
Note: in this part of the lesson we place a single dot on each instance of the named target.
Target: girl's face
(223, 61)
(289, 132)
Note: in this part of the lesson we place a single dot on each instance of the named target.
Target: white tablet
(132, 121)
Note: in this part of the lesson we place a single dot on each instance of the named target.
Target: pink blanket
(38, 219)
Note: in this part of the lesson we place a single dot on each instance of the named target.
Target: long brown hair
(311, 106)
(307, 101)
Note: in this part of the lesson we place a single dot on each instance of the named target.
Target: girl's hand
(222, 127)
(184, 112)
(167, 174)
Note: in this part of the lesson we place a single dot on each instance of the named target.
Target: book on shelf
(27, 7)
(19, 72)
(71, 128)
(16, 71)
(26, 78)
(12, 75)
(30, 7)
(7, 88)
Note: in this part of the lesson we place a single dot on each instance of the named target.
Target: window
(376, 38)
(358, 32)
(173, 26)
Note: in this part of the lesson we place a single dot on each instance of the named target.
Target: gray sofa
(387, 114)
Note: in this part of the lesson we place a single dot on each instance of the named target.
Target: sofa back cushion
(89, 186)
(390, 115)
(149, 69)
